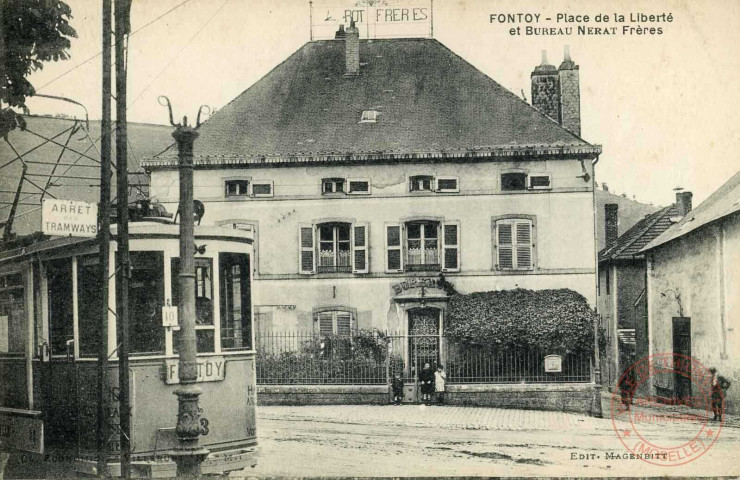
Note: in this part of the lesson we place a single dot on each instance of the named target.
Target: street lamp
(189, 454)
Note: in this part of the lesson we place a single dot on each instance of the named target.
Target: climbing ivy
(555, 321)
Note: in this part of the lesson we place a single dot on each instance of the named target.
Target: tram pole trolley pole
(189, 454)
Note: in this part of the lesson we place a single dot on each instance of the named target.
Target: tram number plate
(21, 433)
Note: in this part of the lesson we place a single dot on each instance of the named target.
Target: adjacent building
(692, 285)
(622, 300)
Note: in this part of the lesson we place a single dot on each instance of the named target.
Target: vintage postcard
(369, 238)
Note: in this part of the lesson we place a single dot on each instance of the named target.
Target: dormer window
(421, 183)
(369, 116)
(332, 185)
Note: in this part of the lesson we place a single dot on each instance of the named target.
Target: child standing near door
(439, 384)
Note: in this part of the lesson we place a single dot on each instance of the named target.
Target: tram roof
(29, 245)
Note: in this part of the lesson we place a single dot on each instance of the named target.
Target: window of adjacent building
(607, 280)
(146, 297)
(333, 247)
(332, 185)
(514, 244)
(12, 312)
(334, 322)
(421, 183)
(236, 314)
(359, 187)
(61, 316)
(262, 188)
(205, 339)
(513, 181)
(422, 246)
(236, 188)
(539, 182)
(89, 304)
(447, 184)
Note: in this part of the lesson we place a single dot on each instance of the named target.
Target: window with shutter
(306, 249)
(451, 246)
(394, 262)
(334, 322)
(360, 249)
(326, 323)
(514, 244)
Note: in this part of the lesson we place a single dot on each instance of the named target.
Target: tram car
(49, 322)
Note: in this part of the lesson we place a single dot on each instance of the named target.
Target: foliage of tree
(32, 32)
(555, 321)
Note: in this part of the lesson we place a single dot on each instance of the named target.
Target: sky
(663, 106)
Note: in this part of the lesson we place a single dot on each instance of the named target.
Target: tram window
(205, 340)
(236, 321)
(89, 304)
(203, 289)
(61, 317)
(146, 297)
(12, 312)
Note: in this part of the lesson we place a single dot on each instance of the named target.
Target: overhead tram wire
(100, 53)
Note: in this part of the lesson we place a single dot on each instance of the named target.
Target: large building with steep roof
(363, 185)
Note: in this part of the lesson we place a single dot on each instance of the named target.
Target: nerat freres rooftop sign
(382, 21)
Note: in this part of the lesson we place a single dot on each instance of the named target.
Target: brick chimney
(352, 50)
(683, 203)
(546, 89)
(611, 223)
(570, 94)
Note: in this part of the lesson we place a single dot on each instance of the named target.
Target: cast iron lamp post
(189, 454)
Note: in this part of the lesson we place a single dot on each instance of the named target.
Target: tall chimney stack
(546, 89)
(570, 94)
(683, 203)
(611, 222)
(352, 50)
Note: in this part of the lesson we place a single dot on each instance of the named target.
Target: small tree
(31, 32)
(555, 321)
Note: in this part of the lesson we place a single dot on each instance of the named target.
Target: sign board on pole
(69, 218)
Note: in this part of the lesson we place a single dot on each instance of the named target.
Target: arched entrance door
(423, 338)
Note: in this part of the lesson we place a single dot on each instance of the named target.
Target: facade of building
(621, 296)
(368, 168)
(692, 285)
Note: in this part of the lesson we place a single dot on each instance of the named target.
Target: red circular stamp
(664, 410)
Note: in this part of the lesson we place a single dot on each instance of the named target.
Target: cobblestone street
(416, 440)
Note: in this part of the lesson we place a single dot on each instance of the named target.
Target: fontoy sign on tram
(69, 218)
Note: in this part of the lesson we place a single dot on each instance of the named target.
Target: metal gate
(423, 347)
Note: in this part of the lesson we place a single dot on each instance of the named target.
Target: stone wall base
(571, 397)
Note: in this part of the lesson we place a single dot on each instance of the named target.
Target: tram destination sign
(210, 369)
(69, 218)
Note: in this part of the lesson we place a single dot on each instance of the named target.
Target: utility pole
(124, 262)
(189, 454)
(104, 249)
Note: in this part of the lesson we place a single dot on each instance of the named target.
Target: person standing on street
(426, 380)
(439, 384)
(397, 387)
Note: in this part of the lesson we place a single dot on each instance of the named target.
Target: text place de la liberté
(600, 24)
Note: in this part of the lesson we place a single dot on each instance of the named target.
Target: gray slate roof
(430, 102)
(630, 244)
(725, 201)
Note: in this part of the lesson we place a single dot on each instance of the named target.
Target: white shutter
(451, 246)
(504, 246)
(393, 250)
(360, 244)
(306, 249)
(523, 245)
(326, 323)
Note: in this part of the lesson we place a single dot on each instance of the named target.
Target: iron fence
(372, 358)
